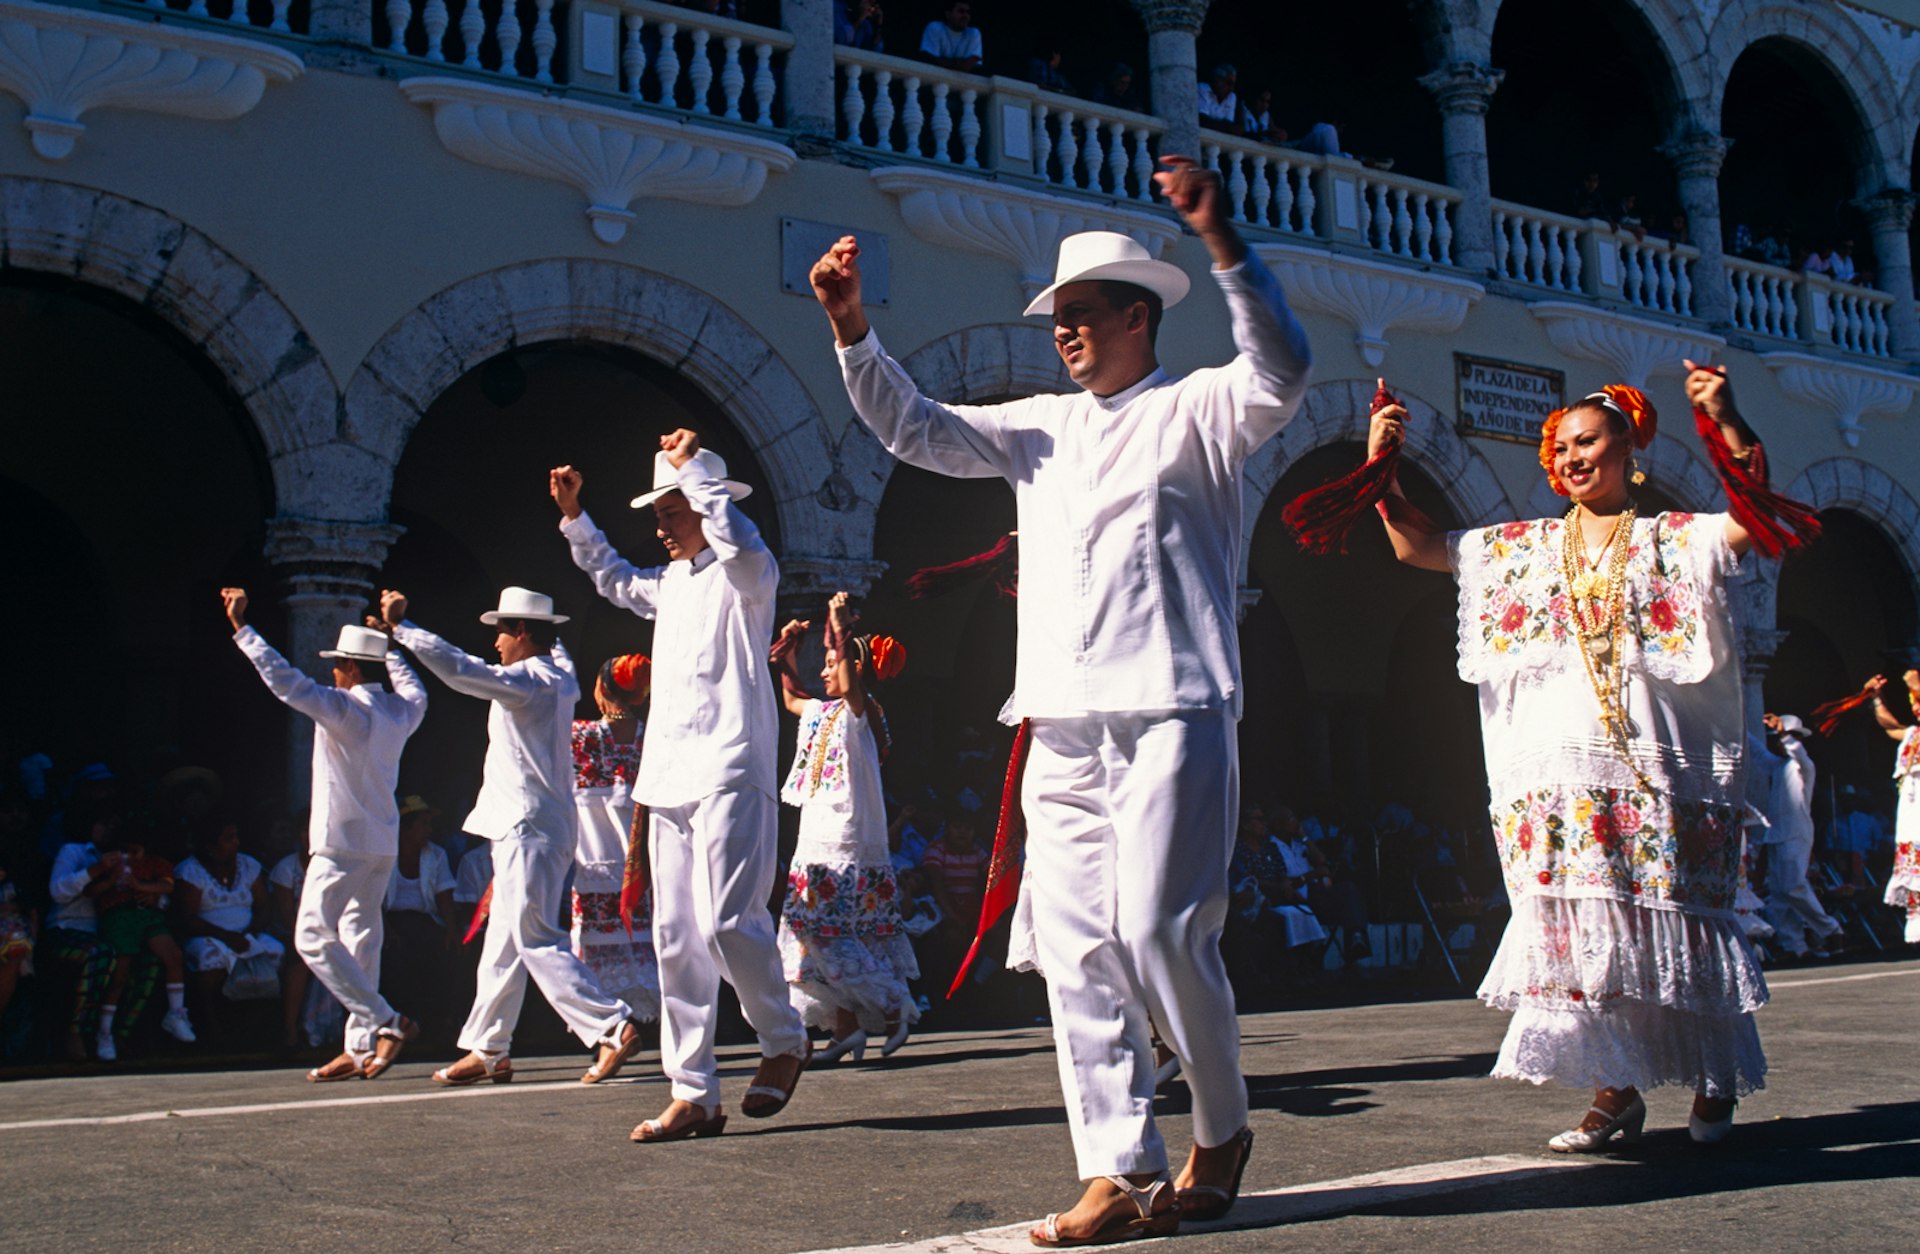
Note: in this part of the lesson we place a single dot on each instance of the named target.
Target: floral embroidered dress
(1903, 886)
(841, 940)
(1624, 964)
(623, 964)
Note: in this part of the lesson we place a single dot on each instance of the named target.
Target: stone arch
(1851, 484)
(1854, 62)
(1674, 466)
(608, 302)
(1340, 410)
(179, 275)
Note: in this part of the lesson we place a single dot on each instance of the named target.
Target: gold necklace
(820, 738)
(1597, 607)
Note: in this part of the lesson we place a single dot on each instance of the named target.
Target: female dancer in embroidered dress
(1903, 886)
(1610, 697)
(846, 954)
(614, 941)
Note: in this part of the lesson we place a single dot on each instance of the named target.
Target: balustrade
(1766, 299)
(273, 15)
(1536, 247)
(1846, 316)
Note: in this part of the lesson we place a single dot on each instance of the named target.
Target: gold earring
(1636, 474)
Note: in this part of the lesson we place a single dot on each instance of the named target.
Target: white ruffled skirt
(1903, 885)
(1606, 994)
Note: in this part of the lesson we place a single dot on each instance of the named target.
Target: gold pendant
(1587, 585)
(1599, 646)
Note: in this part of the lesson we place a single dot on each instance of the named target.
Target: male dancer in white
(706, 775)
(525, 808)
(1792, 907)
(1128, 669)
(359, 730)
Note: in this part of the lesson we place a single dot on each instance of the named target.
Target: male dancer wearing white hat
(706, 775)
(1792, 907)
(359, 730)
(525, 808)
(1128, 671)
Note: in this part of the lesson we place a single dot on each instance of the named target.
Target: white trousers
(1791, 906)
(524, 938)
(1130, 827)
(713, 865)
(338, 932)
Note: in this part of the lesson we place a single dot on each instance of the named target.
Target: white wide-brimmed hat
(1790, 725)
(666, 479)
(520, 603)
(362, 644)
(1110, 255)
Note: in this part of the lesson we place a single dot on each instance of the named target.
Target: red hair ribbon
(889, 656)
(1323, 517)
(633, 672)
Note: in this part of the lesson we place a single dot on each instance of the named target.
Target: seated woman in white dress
(220, 906)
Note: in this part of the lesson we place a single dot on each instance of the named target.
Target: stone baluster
(1172, 27)
(281, 8)
(329, 571)
(1402, 224)
(1500, 244)
(1573, 262)
(1889, 218)
(473, 28)
(1142, 166)
(1382, 219)
(544, 41)
(1364, 204)
(807, 83)
(1422, 228)
(1536, 254)
(1682, 286)
(699, 70)
(853, 105)
(1237, 185)
(1556, 258)
(633, 57)
(399, 15)
(198, 8)
(433, 20)
(1463, 90)
(506, 37)
(1443, 232)
(1042, 143)
(1283, 195)
(1697, 156)
(1742, 284)
(763, 84)
(1782, 300)
(1632, 287)
(343, 22)
(912, 121)
(970, 129)
(1262, 191)
(940, 121)
(1304, 202)
(1069, 151)
(732, 80)
(883, 110)
(1091, 157)
(1668, 287)
(666, 64)
(1117, 157)
(238, 15)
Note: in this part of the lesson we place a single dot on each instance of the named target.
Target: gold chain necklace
(1597, 606)
(820, 739)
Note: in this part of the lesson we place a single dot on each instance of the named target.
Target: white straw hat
(1111, 255)
(666, 479)
(520, 603)
(362, 644)
(1790, 724)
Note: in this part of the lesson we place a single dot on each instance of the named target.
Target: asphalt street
(1376, 1130)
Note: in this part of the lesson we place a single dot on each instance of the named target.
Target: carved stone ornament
(1635, 348)
(1370, 296)
(612, 156)
(1023, 227)
(63, 62)
(1847, 391)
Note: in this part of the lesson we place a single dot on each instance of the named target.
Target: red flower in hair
(633, 672)
(889, 657)
(1639, 411)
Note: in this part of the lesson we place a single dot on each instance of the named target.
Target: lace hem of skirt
(865, 976)
(1634, 1046)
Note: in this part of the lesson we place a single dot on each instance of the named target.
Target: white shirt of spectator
(476, 872)
(289, 874)
(1129, 508)
(358, 735)
(711, 724)
(1219, 108)
(67, 885)
(225, 907)
(941, 40)
(528, 775)
(422, 893)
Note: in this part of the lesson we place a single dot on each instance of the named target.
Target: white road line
(1840, 979)
(1277, 1206)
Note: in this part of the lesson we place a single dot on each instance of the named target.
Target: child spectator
(956, 867)
(132, 924)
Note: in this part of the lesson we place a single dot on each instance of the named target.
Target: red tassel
(1827, 715)
(1323, 518)
(1001, 563)
(1776, 523)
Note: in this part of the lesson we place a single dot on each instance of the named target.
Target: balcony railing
(280, 16)
(1786, 305)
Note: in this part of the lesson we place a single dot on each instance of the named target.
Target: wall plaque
(1504, 400)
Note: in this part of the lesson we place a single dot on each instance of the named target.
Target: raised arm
(406, 685)
(1415, 540)
(293, 686)
(1709, 391)
(459, 670)
(614, 578)
(743, 553)
(783, 653)
(965, 441)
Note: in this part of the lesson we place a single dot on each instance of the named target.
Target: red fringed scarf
(1827, 715)
(1009, 843)
(1776, 523)
(635, 877)
(480, 913)
(1001, 563)
(1323, 517)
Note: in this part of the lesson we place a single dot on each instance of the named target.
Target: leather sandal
(475, 1067)
(387, 1044)
(775, 1098)
(346, 1067)
(1147, 1222)
(614, 1053)
(1202, 1202)
(713, 1122)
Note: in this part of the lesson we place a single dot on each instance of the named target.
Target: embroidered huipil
(358, 735)
(711, 721)
(1903, 882)
(835, 781)
(528, 775)
(1129, 508)
(603, 773)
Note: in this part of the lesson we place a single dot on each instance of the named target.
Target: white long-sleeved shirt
(1128, 505)
(358, 736)
(67, 885)
(528, 775)
(1790, 805)
(711, 724)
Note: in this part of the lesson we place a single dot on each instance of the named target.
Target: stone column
(329, 570)
(808, 82)
(1696, 157)
(1172, 26)
(341, 22)
(1890, 216)
(1464, 90)
(807, 582)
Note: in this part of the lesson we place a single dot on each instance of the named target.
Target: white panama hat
(362, 644)
(666, 479)
(1110, 255)
(1790, 724)
(520, 603)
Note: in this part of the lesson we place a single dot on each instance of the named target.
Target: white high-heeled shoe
(896, 1038)
(1628, 1124)
(1707, 1132)
(854, 1042)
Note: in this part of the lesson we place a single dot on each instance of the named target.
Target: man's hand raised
(1194, 192)
(234, 600)
(680, 446)
(393, 607)
(563, 485)
(836, 285)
